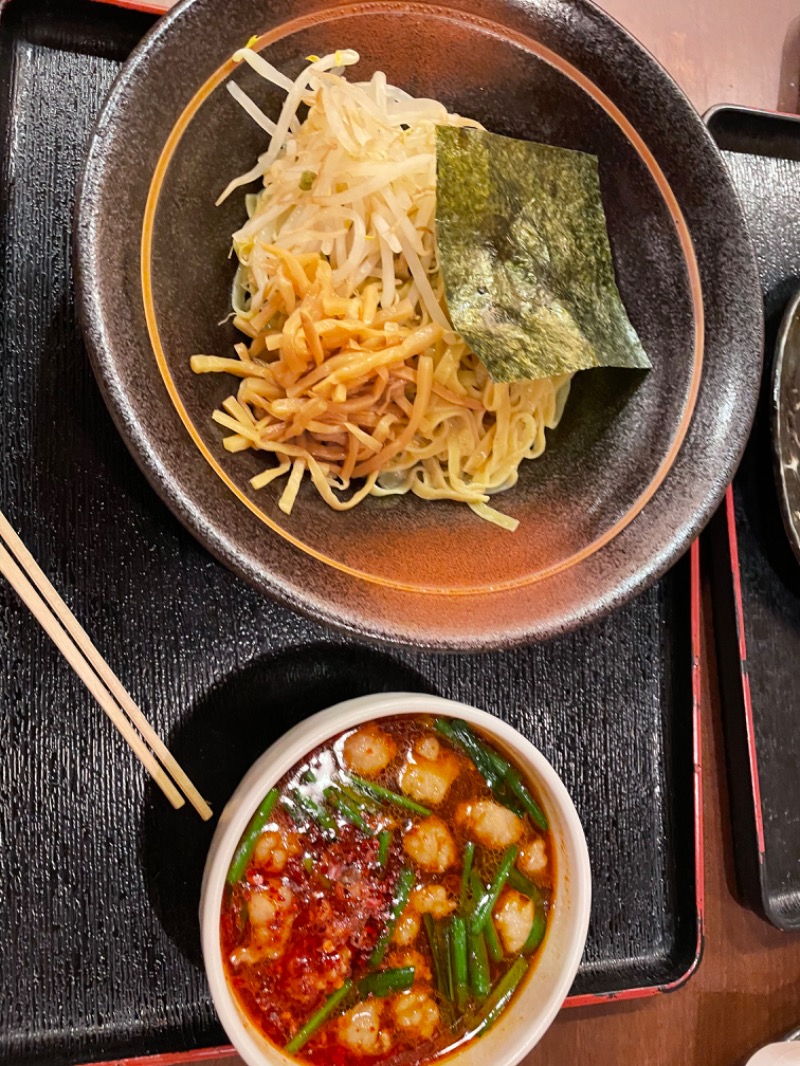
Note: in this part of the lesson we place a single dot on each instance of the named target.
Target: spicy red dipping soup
(389, 896)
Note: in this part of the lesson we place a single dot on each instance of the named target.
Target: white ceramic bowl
(525, 1021)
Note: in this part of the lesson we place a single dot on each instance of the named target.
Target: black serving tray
(756, 577)
(99, 877)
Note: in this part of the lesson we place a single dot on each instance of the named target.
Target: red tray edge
(172, 1058)
(752, 756)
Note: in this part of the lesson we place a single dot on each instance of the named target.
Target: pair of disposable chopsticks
(35, 590)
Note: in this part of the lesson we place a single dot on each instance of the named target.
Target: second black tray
(98, 876)
(757, 579)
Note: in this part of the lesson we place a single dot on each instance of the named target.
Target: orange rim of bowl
(544, 53)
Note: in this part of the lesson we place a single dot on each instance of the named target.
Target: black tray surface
(99, 878)
(762, 151)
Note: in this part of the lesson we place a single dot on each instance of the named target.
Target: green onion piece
(309, 777)
(492, 761)
(458, 941)
(391, 797)
(504, 795)
(467, 735)
(384, 844)
(446, 948)
(316, 1021)
(490, 933)
(292, 811)
(308, 864)
(433, 943)
(467, 741)
(363, 803)
(347, 810)
(485, 905)
(440, 951)
(386, 982)
(466, 870)
(251, 834)
(479, 979)
(317, 813)
(498, 772)
(520, 789)
(499, 997)
(493, 945)
(307, 180)
(538, 929)
(523, 884)
(491, 766)
(477, 887)
(501, 765)
(402, 891)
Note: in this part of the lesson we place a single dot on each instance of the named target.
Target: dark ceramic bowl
(786, 421)
(639, 461)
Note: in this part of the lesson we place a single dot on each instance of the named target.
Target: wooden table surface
(747, 989)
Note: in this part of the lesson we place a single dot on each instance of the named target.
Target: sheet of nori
(524, 251)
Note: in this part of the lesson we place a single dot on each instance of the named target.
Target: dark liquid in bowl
(344, 900)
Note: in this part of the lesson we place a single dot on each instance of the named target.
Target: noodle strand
(353, 371)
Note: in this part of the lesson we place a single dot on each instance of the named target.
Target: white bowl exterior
(530, 1013)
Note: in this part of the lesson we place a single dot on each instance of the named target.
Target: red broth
(348, 902)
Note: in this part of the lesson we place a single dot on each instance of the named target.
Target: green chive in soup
(389, 896)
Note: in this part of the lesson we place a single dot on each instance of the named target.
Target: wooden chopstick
(74, 643)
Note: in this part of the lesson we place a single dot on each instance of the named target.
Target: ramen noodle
(351, 374)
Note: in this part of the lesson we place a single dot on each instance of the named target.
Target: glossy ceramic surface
(639, 460)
